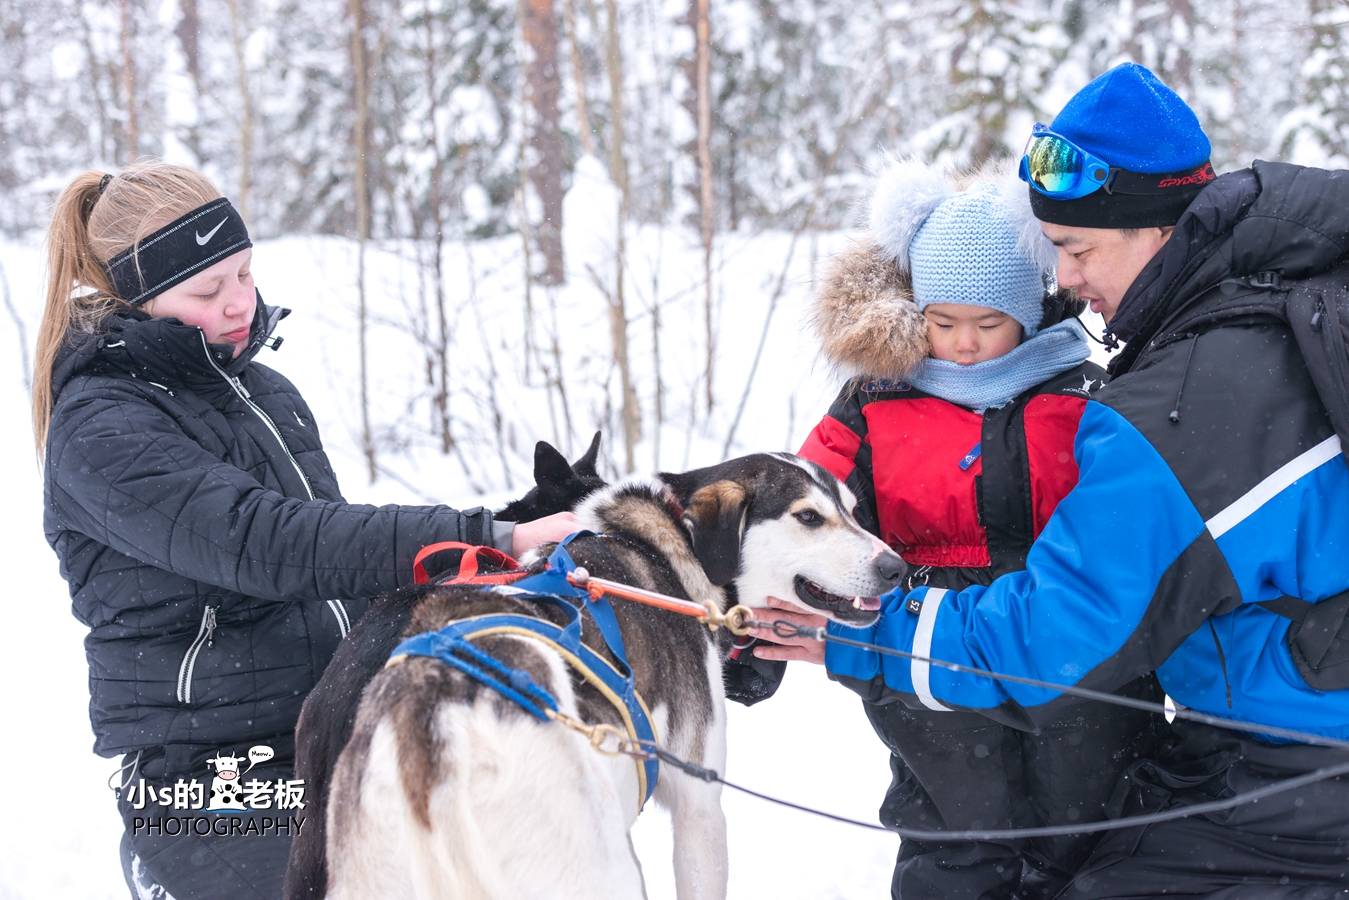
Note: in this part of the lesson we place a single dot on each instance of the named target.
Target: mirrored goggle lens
(1054, 164)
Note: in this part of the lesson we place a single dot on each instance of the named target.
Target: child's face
(970, 334)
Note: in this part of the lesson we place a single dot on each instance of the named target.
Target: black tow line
(784, 629)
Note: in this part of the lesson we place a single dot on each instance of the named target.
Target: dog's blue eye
(810, 518)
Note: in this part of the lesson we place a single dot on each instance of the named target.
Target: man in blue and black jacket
(1211, 482)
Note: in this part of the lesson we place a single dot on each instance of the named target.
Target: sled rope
(649, 749)
(783, 628)
(610, 741)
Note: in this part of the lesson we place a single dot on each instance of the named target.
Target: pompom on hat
(981, 246)
(1137, 124)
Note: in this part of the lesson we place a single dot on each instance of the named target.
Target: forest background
(499, 221)
(424, 132)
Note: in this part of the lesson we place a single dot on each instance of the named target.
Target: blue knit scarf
(996, 382)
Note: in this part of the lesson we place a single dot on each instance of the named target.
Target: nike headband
(178, 251)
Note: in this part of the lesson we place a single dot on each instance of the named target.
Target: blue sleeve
(1088, 582)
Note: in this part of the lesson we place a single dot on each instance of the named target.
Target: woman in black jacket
(199, 525)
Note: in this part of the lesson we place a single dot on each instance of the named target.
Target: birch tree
(546, 168)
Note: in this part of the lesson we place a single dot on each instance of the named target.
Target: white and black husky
(445, 789)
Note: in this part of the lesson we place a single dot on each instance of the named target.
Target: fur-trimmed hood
(863, 310)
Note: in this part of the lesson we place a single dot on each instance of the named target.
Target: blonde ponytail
(92, 222)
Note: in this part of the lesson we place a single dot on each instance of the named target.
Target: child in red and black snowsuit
(955, 432)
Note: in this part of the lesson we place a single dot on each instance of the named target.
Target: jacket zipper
(343, 620)
(205, 635)
(266, 420)
(1222, 661)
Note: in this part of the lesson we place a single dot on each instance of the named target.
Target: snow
(811, 744)
(590, 224)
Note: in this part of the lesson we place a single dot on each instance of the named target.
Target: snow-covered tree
(1321, 131)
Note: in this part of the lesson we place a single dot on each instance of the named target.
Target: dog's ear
(715, 518)
(585, 466)
(550, 466)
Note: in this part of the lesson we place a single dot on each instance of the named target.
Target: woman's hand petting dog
(528, 535)
(774, 647)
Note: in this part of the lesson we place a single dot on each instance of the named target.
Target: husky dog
(445, 788)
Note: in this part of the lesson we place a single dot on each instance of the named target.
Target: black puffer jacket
(207, 547)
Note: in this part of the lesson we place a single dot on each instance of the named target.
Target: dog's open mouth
(849, 610)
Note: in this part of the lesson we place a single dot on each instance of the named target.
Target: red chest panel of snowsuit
(946, 486)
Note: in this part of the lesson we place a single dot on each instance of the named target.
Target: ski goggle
(1058, 168)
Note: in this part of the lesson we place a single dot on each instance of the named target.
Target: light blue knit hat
(967, 252)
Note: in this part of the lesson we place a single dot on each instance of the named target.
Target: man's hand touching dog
(779, 648)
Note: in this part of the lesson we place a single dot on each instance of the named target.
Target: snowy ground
(810, 744)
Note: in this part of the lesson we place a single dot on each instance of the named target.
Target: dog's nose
(890, 567)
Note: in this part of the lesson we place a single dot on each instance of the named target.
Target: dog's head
(774, 525)
(558, 486)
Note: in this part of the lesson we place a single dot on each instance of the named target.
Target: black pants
(959, 771)
(200, 855)
(1290, 846)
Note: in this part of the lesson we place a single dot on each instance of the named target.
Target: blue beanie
(1131, 120)
(967, 252)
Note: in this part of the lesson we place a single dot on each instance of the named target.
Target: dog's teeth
(856, 602)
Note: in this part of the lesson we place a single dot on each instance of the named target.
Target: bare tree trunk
(655, 363)
(618, 316)
(1236, 61)
(442, 345)
(529, 279)
(559, 378)
(732, 205)
(522, 207)
(613, 59)
(107, 142)
(702, 29)
(540, 33)
(187, 32)
(20, 330)
(361, 137)
(1184, 69)
(578, 75)
(245, 109)
(129, 81)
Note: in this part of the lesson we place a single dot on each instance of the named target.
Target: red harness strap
(468, 565)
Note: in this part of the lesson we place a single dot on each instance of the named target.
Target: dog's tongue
(867, 603)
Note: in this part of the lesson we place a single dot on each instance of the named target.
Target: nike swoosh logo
(203, 241)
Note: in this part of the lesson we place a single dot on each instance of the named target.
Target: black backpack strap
(1003, 491)
(1317, 639)
(1288, 607)
(1318, 314)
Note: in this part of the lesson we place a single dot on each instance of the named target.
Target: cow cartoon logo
(227, 789)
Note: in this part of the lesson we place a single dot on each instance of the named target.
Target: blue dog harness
(451, 645)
